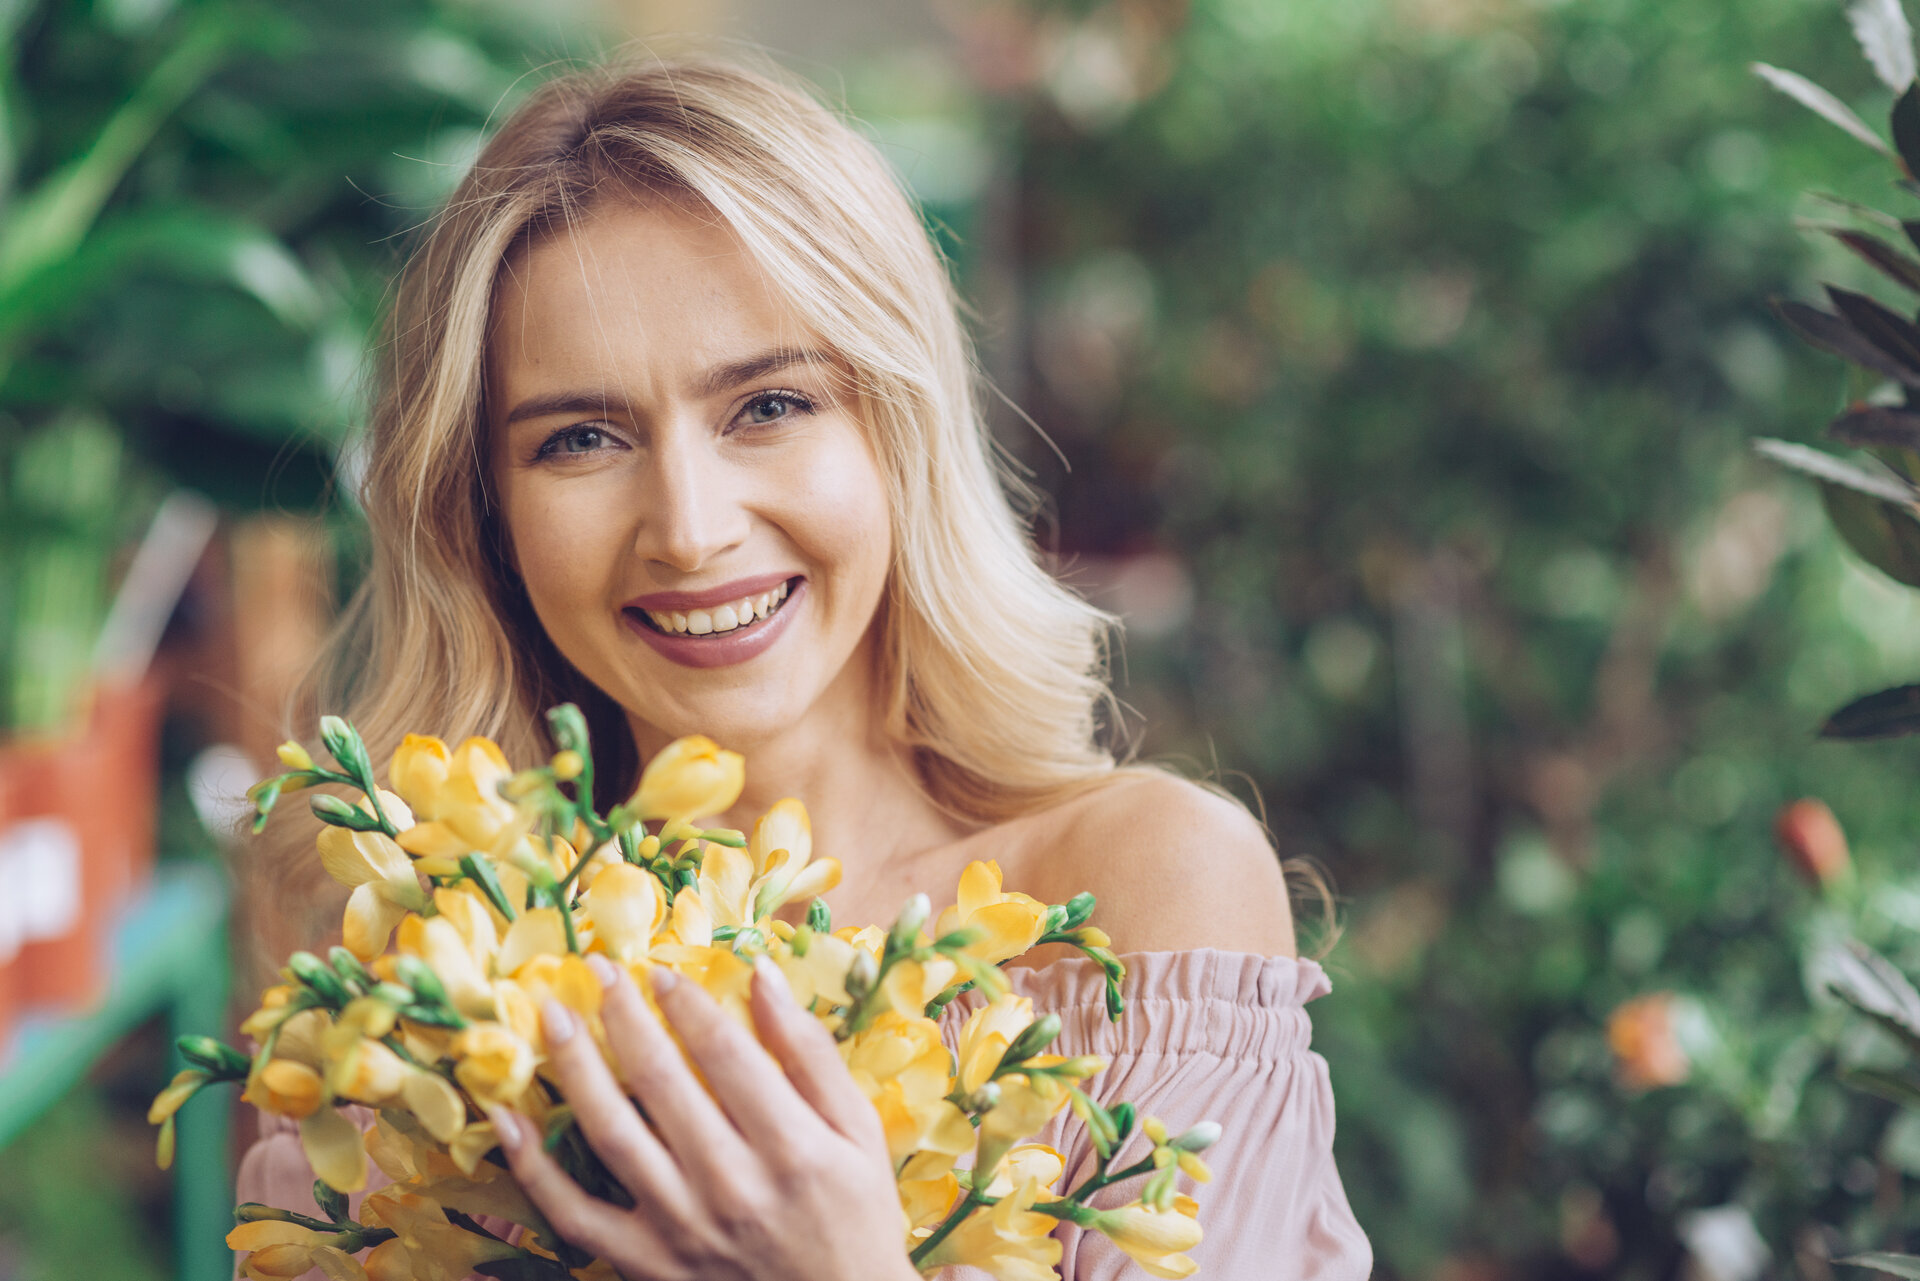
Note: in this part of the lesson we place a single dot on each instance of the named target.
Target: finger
(806, 1051)
(744, 1078)
(697, 1134)
(606, 1115)
(584, 1221)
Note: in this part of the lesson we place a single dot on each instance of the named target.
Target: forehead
(632, 290)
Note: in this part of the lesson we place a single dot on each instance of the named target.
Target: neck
(858, 784)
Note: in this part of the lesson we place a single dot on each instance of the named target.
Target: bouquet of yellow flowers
(477, 892)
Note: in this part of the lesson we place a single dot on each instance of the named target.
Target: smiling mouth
(720, 620)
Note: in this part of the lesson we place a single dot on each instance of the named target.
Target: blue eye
(573, 440)
(772, 406)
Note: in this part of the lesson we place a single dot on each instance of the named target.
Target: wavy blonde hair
(993, 674)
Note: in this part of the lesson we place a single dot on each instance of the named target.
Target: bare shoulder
(1174, 866)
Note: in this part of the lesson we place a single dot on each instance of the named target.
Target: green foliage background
(1451, 334)
(1416, 346)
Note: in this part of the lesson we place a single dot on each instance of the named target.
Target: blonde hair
(993, 674)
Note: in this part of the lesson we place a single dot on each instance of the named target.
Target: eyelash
(800, 403)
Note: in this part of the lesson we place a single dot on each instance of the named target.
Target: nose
(693, 504)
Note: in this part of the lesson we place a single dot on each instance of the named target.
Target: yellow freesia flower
(469, 812)
(1005, 924)
(1026, 1104)
(1034, 1163)
(493, 1063)
(689, 923)
(286, 1088)
(1155, 1238)
(1008, 1240)
(565, 979)
(538, 931)
(458, 945)
(367, 1072)
(335, 1149)
(719, 971)
(900, 1064)
(910, 984)
(924, 1202)
(426, 1246)
(418, 771)
(819, 975)
(384, 883)
(275, 1009)
(627, 907)
(283, 1250)
(689, 778)
(781, 847)
(985, 1036)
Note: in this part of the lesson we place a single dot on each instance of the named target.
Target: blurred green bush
(1407, 354)
(198, 204)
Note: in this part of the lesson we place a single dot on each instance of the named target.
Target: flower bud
(1199, 1138)
(689, 778)
(1646, 1048)
(293, 756)
(1037, 1036)
(318, 976)
(862, 974)
(906, 928)
(568, 766)
(220, 1059)
(1813, 841)
(333, 1204)
(819, 917)
(344, 742)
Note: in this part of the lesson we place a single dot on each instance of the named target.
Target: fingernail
(602, 969)
(770, 974)
(664, 980)
(555, 1021)
(507, 1126)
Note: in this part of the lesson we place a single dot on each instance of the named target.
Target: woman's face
(687, 487)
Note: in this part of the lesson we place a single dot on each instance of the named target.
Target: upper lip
(724, 594)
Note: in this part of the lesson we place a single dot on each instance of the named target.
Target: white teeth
(724, 618)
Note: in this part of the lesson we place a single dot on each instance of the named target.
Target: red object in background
(1813, 841)
(76, 840)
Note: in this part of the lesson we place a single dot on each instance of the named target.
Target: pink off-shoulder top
(1207, 1036)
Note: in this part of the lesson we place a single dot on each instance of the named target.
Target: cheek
(560, 553)
(846, 516)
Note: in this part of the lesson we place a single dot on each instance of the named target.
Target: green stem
(1080, 1194)
(954, 1219)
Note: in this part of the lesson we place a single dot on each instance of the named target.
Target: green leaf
(1870, 984)
(1890, 262)
(1832, 333)
(1884, 534)
(1820, 102)
(1836, 471)
(1890, 713)
(1881, 28)
(1900, 1265)
(1867, 425)
(1906, 128)
(1880, 325)
(51, 221)
(1896, 1087)
(183, 242)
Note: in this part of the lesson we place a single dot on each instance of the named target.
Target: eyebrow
(713, 382)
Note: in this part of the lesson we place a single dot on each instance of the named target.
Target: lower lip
(728, 648)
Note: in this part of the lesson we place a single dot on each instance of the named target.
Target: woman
(677, 421)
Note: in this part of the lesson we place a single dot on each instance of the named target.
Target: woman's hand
(781, 1173)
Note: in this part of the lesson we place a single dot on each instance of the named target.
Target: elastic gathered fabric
(1207, 1036)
